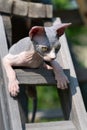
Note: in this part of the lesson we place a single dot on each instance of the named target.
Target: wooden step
(58, 125)
(37, 76)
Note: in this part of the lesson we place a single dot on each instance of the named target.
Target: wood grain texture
(77, 108)
(37, 76)
(8, 28)
(6, 6)
(60, 125)
(36, 10)
(12, 117)
(23, 8)
(20, 8)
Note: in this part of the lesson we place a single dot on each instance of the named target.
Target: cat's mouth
(48, 59)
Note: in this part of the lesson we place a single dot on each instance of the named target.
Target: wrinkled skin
(29, 57)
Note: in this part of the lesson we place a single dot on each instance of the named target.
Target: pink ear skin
(36, 30)
(61, 28)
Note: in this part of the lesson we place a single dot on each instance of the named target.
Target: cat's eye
(44, 49)
(57, 48)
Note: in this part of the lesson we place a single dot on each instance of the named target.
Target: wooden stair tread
(37, 76)
(58, 125)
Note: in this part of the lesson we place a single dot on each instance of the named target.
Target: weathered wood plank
(6, 6)
(23, 8)
(60, 125)
(20, 8)
(78, 112)
(12, 110)
(49, 11)
(37, 76)
(8, 28)
(2, 99)
(36, 10)
(2, 106)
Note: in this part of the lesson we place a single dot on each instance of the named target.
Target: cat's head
(46, 39)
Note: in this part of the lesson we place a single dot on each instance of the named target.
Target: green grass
(77, 34)
(47, 98)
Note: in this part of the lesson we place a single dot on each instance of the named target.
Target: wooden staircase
(71, 99)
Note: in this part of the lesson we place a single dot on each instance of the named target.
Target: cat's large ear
(36, 30)
(60, 28)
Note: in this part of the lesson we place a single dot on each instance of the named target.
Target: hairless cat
(37, 50)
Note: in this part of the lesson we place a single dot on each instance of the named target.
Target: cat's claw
(13, 88)
(62, 81)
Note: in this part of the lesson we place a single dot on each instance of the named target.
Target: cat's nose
(53, 58)
(52, 54)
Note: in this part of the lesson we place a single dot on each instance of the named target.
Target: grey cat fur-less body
(41, 45)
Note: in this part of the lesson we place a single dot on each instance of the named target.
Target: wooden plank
(2, 96)
(78, 112)
(3, 43)
(49, 11)
(36, 76)
(36, 10)
(8, 28)
(2, 124)
(20, 8)
(60, 125)
(72, 16)
(6, 6)
(3, 102)
(23, 8)
(11, 104)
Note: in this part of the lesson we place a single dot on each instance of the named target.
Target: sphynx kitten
(40, 48)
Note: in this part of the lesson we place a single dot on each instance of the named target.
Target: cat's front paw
(62, 81)
(13, 87)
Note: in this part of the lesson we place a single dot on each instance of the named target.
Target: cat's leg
(23, 104)
(27, 92)
(13, 84)
(14, 60)
(32, 94)
(47, 66)
(62, 79)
